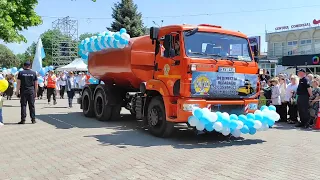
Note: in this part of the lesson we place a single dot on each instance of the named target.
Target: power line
(196, 15)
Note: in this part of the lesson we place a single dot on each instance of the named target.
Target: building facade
(296, 47)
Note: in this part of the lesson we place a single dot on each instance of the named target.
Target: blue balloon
(115, 44)
(249, 123)
(123, 41)
(209, 127)
(81, 46)
(42, 72)
(265, 120)
(84, 57)
(242, 118)
(204, 120)
(233, 117)
(272, 108)
(250, 116)
(225, 122)
(109, 42)
(270, 122)
(263, 108)
(40, 80)
(198, 113)
(117, 36)
(96, 45)
(252, 131)
(245, 129)
(89, 47)
(51, 68)
(20, 69)
(233, 124)
(258, 117)
(123, 30)
(47, 68)
(14, 70)
(4, 68)
(219, 114)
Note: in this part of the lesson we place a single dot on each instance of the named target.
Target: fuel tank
(126, 67)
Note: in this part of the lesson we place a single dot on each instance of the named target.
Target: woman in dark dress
(9, 91)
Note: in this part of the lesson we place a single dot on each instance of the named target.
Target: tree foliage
(15, 16)
(126, 15)
(7, 58)
(86, 35)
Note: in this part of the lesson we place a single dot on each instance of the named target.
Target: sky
(252, 18)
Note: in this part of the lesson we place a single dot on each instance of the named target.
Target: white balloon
(274, 116)
(240, 125)
(236, 133)
(265, 127)
(200, 126)
(111, 41)
(206, 110)
(101, 46)
(125, 36)
(86, 40)
(213, 117)
(92, 46)
(225, 131)
(193, 121)
(257, 124)
(218, 126)
(226, 115)
(258, 112)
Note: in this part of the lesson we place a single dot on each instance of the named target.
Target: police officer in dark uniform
(304, 92)
(27, 85)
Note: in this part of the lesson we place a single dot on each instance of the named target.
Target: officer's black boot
(33, 121)
(22, 122)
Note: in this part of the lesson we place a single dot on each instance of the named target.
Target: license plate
(227, 69)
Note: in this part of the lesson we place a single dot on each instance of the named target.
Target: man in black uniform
(27, 84)
(304, 92)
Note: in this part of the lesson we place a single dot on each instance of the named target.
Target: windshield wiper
(205, 54)
(191, 32)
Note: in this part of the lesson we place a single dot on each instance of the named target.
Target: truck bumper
(184, 107)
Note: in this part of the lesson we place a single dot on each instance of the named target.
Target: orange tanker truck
(162, 76)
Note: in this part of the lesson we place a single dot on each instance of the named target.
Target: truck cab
(204, 66)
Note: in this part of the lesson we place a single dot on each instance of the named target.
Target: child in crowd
(275, 95)
(262, 100)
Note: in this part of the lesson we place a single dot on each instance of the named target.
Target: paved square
(66, 145)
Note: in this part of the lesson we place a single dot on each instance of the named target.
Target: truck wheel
(101, 109)
(87, 104)
(157, 123)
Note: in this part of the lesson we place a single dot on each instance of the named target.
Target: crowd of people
(294, 96)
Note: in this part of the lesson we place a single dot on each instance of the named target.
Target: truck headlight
(189, 107)
(253, 106)
(193, 67)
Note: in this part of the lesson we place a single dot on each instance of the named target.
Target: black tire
(156, 119)
(101, 108)
(87, 103)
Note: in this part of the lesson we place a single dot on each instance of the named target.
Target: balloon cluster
(12, 70)
(102, 41)
(44, 70)
(260, 120)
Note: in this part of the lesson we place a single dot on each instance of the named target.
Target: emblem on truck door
(202, 85)
(166, 69)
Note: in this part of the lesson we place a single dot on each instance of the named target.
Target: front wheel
(87, 104)
(156, 118)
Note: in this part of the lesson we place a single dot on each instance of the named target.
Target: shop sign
(293, 26)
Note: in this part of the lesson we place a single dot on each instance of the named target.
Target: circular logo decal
(166, 69)
(202, 85)
(315, 60)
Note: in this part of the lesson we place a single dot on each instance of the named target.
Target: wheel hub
(153, 117)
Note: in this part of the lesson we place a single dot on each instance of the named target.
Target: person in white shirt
(40, 86)
(291, 99)
(283, 108)
(62, 83)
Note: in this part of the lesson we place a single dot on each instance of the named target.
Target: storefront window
(305, 46)
(278, 48)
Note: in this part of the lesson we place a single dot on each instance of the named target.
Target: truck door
(169, 62)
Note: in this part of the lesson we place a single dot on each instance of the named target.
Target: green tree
(126, 15)
(15, 16)
(7, 58)
(86, 35)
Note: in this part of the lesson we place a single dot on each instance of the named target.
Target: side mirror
(154, 33)
(256, 59)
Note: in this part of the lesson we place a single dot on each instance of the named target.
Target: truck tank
(126, 67)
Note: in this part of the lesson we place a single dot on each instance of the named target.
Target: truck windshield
(217, 46)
